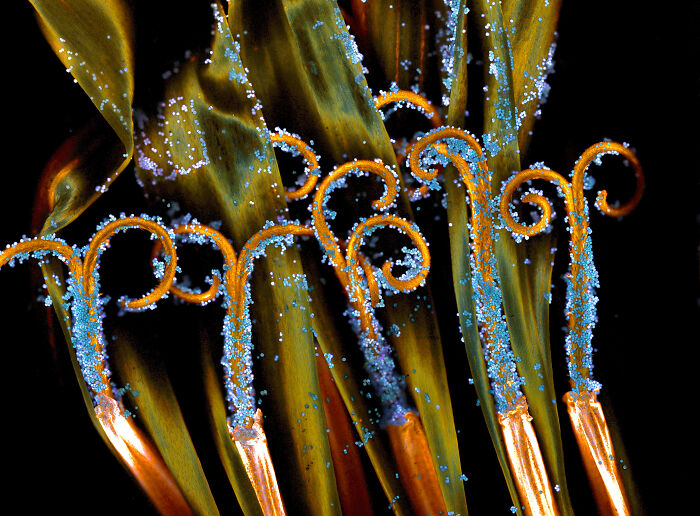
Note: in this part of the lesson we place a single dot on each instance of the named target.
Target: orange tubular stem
(408, 440)
(347, 464)
(251, 443)
(409, 445)
(249, 438)
(135, 450)
(526, 462)
(142, 459)
(595, 445)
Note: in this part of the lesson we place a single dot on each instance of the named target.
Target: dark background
(621, 72)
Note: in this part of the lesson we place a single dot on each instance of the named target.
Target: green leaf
(330, 104)
(521, 308)
(93, 40)
(56, 282)
(531, 26)
(458, 224)
(143, 369)
(218, 163)
(399, 40)
(419, 350)
(309, 79)
(347, 361)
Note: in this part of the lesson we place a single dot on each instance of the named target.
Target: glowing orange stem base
(526, 461)
(144, 462)
(251, 444)
(415, 464)
(595, 445)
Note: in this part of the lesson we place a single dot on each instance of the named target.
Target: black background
(621, 72)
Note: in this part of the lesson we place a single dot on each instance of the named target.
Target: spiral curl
(58, 248)
(582, 277)
(88, 339)
(229, 255)
(309, 156)
(100, 239)
(573, 192)
(422, 104)
(594, 152)
(325, 236)
(433, 138)
(403, 285)
(538, 200)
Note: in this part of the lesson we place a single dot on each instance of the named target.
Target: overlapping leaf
(328, 102)
(93, 40)
(399, 38)
(519, 281)
(158, 410)
(211, 153)
(337, 346)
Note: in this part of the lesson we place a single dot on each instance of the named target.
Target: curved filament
(593, 153)
(372, 284)
(406, 434)
(100, 239)
(92, 364)
(326, 238)
(237, 359)
(414, 99)
(284, 141)
(421, 104)
(229, 255)
(501, 362)
(40, 248)
(348, 268)
(89, 324)
(582, 277)
(357, 291)
(532, 198)
(456, 136)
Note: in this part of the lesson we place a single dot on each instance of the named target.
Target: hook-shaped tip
(222, 243)
(593, 153)
(286, 141)
(122, 224)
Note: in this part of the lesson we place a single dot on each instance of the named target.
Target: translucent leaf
(93, 40)
(211, 152)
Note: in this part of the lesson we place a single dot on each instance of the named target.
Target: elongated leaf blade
(340, 348)
(399, 40)
(531, 27)
(309, 78)
(218, 164)
(330, 87)
(501, 142)
(159, 412)
(93, 40)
